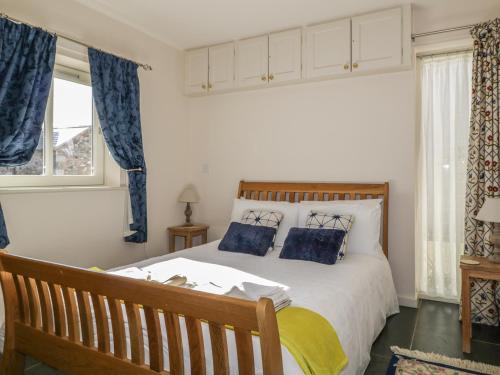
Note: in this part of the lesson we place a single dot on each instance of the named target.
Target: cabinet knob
(355, 65)
(271, 77)
(209, 85)
(263, 78)
(203, 86)
(346, 66)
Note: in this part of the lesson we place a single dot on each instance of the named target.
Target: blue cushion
(249, 239)
(316, 245)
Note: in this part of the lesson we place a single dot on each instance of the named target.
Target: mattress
(355, 296)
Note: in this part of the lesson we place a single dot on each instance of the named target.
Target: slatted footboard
(66, 317)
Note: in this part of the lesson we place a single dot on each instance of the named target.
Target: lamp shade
(490, 211)
(189, 195)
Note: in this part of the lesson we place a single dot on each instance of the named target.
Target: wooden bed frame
(50, 310)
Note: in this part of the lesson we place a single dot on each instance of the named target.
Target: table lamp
(188, 196)
(490, 212)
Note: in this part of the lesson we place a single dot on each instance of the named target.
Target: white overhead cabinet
(377, 40)
(285, 56)
(196, 71)
(221, 67)
(327, 49)
(372, 42)
(252, 62)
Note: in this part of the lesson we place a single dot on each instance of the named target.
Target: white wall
(346, 130)
(85, 228)
(360, 129)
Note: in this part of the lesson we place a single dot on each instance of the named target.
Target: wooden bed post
(12, 362)
(270, 344)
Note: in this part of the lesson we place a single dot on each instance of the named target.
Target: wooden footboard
(50, 312)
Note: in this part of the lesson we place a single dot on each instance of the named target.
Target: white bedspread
(355, 296)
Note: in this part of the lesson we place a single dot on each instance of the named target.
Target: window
(445, 96)
(70, 151)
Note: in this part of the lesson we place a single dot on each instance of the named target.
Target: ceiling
(191, 23)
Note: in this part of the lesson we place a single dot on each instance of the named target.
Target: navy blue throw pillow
(249, 239)
(316, 245)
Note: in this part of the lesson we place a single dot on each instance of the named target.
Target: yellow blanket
(311, 340)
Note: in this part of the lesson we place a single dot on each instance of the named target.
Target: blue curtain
(27, 58)
(115, 86)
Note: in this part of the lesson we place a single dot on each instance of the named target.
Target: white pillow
(364, 236)
(289, 210)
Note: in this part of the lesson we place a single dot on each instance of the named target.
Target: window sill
(59, 189)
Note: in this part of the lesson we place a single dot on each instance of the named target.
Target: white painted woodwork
(327, 50)
(377, 40)
(252, 62)
(285, 56)
(196, 75)
(221, 67)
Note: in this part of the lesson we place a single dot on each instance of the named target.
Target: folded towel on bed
(311, 340)
(254, 292)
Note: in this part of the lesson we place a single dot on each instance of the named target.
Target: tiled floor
(434, 327)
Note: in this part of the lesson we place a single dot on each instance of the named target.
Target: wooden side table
(484, 270)
(188, 232)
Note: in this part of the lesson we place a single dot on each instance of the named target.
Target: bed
(76, 320)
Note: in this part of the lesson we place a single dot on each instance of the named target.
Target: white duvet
(355, 296)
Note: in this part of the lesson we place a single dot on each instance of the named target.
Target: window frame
(48, 179)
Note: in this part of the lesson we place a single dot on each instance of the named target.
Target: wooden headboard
(319, 191)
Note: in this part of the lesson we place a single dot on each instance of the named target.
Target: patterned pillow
(262, 217)
(323, 220)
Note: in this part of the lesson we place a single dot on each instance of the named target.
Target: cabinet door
(377, 40)
(328, 49)
(252, 62)
(196, 71)
(285, 55)
(221, 67)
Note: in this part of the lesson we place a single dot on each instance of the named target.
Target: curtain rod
(428, 33)
(3, 15)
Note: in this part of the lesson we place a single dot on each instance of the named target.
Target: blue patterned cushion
(249, 239)
(316, 245)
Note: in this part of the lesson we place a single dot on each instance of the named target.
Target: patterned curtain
(115, 86)
(483, 170)
(27, 58)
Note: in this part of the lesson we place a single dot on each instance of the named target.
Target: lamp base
(188, 212)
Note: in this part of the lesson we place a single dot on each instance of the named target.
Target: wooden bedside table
(188, 232)
(484, 270)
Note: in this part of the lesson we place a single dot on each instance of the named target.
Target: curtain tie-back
(135, 170)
